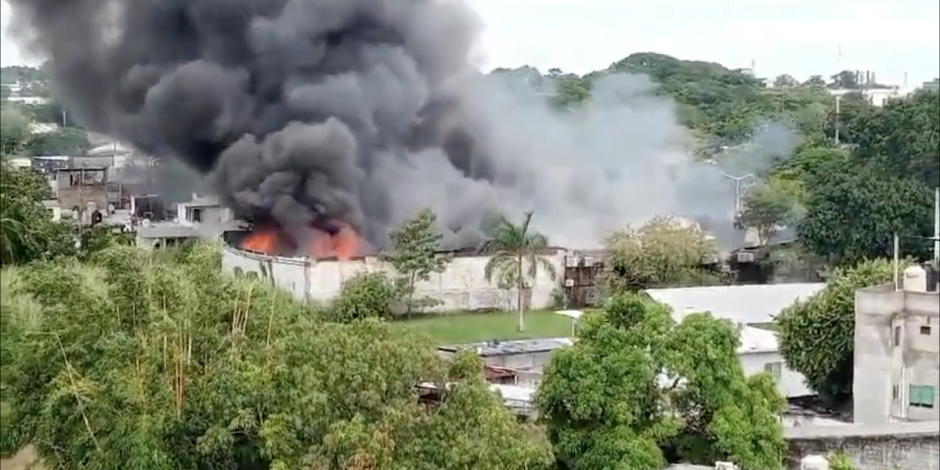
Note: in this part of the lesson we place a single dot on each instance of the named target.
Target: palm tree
(515, 258)
(14, 237)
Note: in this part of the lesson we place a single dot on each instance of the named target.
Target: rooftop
(507, 348)
(741, 304)
(757, 340)
(166, 230)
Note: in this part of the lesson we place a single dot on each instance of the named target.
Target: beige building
(897, 352)
(82, 189)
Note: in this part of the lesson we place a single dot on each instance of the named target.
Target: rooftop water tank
(915, 279)
(814, 462)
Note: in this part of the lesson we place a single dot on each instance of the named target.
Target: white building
(461, 287)
(876, 96)
(897, 354)
(202, 217)
(749, 307)
(759, 352)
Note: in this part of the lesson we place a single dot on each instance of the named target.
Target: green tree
(663, 252)
(767, 209)
(27, 231)
(415, 254)
(515, 252)
(14, 131)
(852, 211)
(188, 368)
(636, 391)
(902, 138)
(826, 356)
(815, 81)
(785, 81)
(64, 141)
(365, 295)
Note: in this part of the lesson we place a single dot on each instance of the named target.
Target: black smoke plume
(316, 112)
(292, 109)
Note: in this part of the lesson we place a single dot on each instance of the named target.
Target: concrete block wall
(461, 287)
(893, 446)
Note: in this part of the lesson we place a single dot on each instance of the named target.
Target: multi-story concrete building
(84, 190)
(897, 352)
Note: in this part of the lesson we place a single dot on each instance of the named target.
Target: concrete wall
(789, 383)
(460, 287)
(894, 446)
(896, 347)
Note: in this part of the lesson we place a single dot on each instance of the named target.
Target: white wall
(460, 287)
(885, 369)
(790, 384)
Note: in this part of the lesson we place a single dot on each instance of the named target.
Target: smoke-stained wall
(460, 288)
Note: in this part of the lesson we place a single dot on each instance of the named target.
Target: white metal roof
(757, 340)
(741, 304)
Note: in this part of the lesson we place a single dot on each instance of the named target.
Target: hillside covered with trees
(115, 358)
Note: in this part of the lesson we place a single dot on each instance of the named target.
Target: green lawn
(458, 328)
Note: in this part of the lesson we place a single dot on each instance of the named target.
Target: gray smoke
(313, 112)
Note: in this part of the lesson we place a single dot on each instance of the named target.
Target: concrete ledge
(891, 446)
(847, 431)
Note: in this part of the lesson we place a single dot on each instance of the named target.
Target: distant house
(82, 189)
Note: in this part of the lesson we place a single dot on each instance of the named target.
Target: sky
(893, 38)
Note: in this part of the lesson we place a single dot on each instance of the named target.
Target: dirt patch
(20, 461)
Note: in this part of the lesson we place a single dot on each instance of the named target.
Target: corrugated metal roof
(507, 348)
(741, 304)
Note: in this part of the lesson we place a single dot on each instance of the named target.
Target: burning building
(316, 270)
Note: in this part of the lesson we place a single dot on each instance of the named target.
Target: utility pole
(838, 118)
(936, 225)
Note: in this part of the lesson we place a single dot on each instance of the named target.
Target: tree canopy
(637, 390)
(816, 335)
(188, 368)
(661, 252)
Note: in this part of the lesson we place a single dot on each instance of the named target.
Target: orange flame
(343, 245)
(267, 239)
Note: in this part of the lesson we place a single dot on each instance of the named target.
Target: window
(775, 369)
(921, 396)
(897, 336)
(894, 392)
(925, 330)
(197, 215)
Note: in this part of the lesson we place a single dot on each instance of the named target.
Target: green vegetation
(516, 257)
(460, 328)
(637, 390)
(662, 252)
(116, 358)
(817, 335)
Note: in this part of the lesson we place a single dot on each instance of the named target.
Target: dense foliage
(187, 368)
(637, 389)
(662, 252)
(817, 334)
(113, 358)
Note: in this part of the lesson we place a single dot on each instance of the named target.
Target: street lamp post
(737, 186)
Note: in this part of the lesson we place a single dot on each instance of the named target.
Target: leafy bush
(365, 295)
(817, 335)
(138, 364)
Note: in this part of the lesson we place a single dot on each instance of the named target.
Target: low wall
(461, 287)
(892, 446)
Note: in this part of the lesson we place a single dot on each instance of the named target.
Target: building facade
(82, 189)
(897, 354)
(461, 287)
